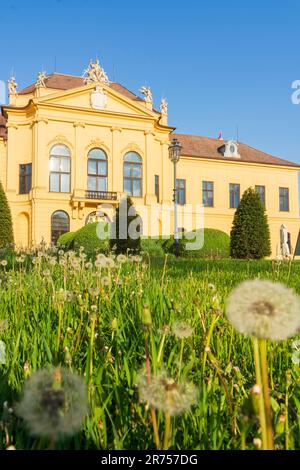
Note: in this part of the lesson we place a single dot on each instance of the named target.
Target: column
(115, 169)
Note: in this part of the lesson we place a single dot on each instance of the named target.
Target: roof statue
(95, 74)
(42, 76)
(164, 106)
(12, 85)
(147, 93)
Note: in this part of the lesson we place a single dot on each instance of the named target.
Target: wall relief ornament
(95, 74)
(60, 139)
(97, 143)
(99, 98)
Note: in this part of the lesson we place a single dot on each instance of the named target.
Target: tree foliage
(6, 228)
(126, 228)
(250, 234)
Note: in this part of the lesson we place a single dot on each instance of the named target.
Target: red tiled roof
(60, 81)
(205, 147)
(3, 129)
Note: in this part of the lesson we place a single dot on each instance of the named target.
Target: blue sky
(220, 64)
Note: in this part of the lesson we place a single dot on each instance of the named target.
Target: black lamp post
(174, 155)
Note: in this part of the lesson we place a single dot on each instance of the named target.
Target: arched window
(60, 223)
(97, 170)
(60, 169)
(96, 216)
(133, 174)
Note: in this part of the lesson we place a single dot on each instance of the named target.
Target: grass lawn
(109, 321)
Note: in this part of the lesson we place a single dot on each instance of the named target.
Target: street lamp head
(175, 150)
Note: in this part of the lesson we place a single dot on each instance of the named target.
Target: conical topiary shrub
(126, 229)
(250, 234)
(6, 229)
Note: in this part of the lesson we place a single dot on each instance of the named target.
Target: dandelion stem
(164, 271)
(286, 424)
(161, 348)
(262, 416)
(60, 312)
(167, 431)
(180, 357)
(91, 348)
(207, 342)
(153, 413)
(266, 392)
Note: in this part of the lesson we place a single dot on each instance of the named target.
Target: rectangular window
(60, 174)
(180, 192)
(97, 175)
(157, 187)
(234, 195)
(208, 193)
(25, 172)
(261, 190)
(284, 203)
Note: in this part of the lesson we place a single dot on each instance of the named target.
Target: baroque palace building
(70, 145)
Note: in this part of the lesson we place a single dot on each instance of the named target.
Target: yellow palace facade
(69, 145)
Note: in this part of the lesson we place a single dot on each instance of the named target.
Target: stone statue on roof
(12, 85)
(95, 74)
(42, 76)
(146, 91)
(164, 106)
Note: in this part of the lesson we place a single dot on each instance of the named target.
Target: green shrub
(117, 243)
(66, 240)
(88, 238)
(6, 228)
(153, 246)
(216, 245)
(250, 234)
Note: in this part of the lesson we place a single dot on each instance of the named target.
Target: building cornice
(238, 162)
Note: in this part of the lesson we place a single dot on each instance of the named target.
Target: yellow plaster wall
(67, 117)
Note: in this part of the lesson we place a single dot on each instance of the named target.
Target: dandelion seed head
(105, 281)
(100, 263)
(165, 330)
(166, 395)
(94, 292)
(256, 389)
(121, 258)
(109, 263)
(3, 325)
(257, 442)
(211, 287)
(264, 309)
(182, 330)
(54, 403)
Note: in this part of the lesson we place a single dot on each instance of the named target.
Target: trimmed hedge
(66, 240)
(153, 246)
(216, 245)
(88, 238)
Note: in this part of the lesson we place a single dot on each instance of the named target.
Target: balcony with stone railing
(102, 195)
